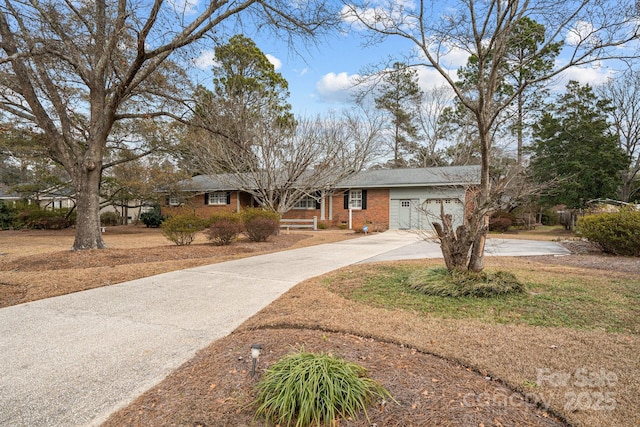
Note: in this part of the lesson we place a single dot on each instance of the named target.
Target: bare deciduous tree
(624, 94)
(281, 167)
(593, 30)
(434, 102)
(74, 69)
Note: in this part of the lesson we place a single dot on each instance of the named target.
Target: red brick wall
(303, 214)
(196, 205)
(376, 214)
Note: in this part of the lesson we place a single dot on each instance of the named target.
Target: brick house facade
(380, 199)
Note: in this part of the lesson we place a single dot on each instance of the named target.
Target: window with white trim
(173, 201)
(355, 199)
(307, 202)
(218, 198)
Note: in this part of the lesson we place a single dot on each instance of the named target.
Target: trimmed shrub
(441, 282)
(259, 224)
(8, 216)
(500, 221)
(44, 219)
(550, 217)
(617, 233)
(224, 228)
(109, 219)
(153, 218)
(182, 229)
(307, 389)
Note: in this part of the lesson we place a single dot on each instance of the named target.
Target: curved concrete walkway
(73, 360)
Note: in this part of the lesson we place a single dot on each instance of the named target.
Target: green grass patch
(306, 389)
(441, 282)
(562, 299)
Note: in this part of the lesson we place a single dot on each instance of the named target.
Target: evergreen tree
(575, 146)
(400, 97)
(248, 96)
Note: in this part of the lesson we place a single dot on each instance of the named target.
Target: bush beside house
(181, 229)
(224, 228)
(259, 224)
(153, 218)
(616, 232)
(500, 221)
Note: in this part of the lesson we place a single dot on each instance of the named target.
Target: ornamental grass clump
(307, 389)
(441, 282)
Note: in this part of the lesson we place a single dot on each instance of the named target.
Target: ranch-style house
(381, 199)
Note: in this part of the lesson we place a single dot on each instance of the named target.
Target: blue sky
(321, 79)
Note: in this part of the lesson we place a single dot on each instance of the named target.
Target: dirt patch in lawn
(441, 371)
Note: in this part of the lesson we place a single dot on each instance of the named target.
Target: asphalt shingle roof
(419, 177)
(379, 178)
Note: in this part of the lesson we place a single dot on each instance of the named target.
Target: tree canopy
(399, 98)
(576, 146)
(72, 70)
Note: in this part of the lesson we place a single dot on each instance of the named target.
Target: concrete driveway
(73, 360)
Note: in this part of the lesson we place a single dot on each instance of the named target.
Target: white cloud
(206, 60)
(593, 75)
(277, 64)
(336, 88)
(451, 57)
(393, 14)
(429, 78)
(186, 7)
(581, 32)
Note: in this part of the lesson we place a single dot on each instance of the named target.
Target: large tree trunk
(87, 184)
(476, 261)
(482, 209)
(455, 244)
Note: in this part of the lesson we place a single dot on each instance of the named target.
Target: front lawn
(552, 298)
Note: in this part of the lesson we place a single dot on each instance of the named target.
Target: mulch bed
(216, 389)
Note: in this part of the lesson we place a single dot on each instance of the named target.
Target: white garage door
(452, 206)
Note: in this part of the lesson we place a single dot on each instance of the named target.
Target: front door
(405, 215)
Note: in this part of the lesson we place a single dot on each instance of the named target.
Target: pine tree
(574, 144)
(399, 98)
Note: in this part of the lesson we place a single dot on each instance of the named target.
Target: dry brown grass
(39, 264)
(511, 353)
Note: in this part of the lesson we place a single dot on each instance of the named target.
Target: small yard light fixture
(255, 353)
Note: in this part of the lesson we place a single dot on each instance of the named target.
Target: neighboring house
(64, 198)
(8, 196)
(383, 198)
(57, 198)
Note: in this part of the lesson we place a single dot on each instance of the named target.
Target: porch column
(331, 206)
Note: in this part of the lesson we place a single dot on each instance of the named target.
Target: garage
(418, 208)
